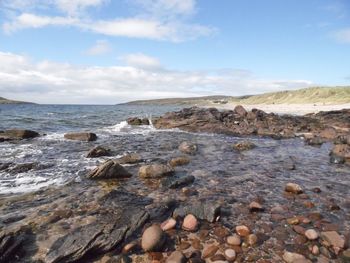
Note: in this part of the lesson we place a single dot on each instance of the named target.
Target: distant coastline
(7, 101)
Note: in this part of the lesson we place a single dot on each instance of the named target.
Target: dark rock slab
(81, 136)
(138, 121)
(109, 170)
(10, 243)
(18, 134)
(203, 210)
(98, 151)
(177, 181)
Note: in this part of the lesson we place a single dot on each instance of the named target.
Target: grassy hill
(6, 101)
(326, 95)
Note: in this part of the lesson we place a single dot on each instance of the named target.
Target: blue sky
(109, 51)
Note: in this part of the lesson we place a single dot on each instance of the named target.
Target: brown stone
(242, 230)
(293, 188)
(210, 251)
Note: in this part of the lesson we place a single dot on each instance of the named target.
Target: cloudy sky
(110, 51)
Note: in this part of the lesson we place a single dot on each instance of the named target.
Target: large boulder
(155, 171)
(98, 151)
(109, 170)
(81, 136)
(138, 121)
(17, 134)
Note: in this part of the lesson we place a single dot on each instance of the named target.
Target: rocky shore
(193, 197)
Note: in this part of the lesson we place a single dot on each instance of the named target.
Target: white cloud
(342, 36)
(143, 61)
(156, 19)
(49, 82)
(101, 47)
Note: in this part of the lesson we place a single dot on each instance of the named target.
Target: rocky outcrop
(17, 134)
(98, 151)
(203, 210)
(155, 171)
(138, 121)
(109, 170)
(81, 136)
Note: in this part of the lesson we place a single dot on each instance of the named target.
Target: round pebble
(168, 224)
(234, 240)
(293, 188)
(230, 254)
(243, 231)
(311, 234)
(153, 238)
(190, 223)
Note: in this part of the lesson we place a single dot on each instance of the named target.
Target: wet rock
(340, 151)
(293, 188)
(240, 110)
(130, 158)
(234, 240)
(190, 223)
(230, 254)
(17, 134)
(81, 136)
(210, 251)
(188, 148)
(177, 181)
(244, 146)
(335, 159)
(155, 171)
(98, 151)
(138, 121)
(204, 210)
(10, 244)
(176, 257)
(152, 238)
(255, 207)
(333, 238)
(109, 170)
(290, 257)
(242, 230)
(311, 234)
(168, 224)
(179, 161)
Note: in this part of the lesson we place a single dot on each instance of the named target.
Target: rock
(109, 170)
(333, 238)
(240, 110)
(251, 239)
(336, 159)
(81, 136)
(242, 230)
(188, 148)
(10, 244)
(130, 158)
(315, 250)
(329, 133)
(290, 257)
(244, 146)
(17, 134)
(345, 256)
(152, 239)
(230, 254)
(179, 161)
(234, 240)
(190, 223)
(311, 234)
(138, 121)
(293, 188)
(177, 181)
(204, 210)
(155, 171)
(210, 251)
(342, 152)
(255, 207)
(128, 247)
(168, 224)
(98, 151)
(176, 257)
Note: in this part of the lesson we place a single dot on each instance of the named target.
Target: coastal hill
(326, 95)
(6, 101)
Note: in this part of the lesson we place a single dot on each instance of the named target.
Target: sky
(112, 51)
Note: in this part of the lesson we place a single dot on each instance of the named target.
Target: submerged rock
(204, 210)
(17, 134)
(177, 181)
(155, 171)
(81, 136)
(178, 161)
(109, 170)
(152, 238)
(130, 158)
(188, 148)
(244, 146)
(98, 151)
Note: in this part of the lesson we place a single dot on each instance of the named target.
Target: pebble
(255, 207)
(311, 234)
(315, 250)
(293, 221)
(190, 223)
(293, 188)
(242, 230)
(234, 240)
(152, 238)
(176, 257)
(230, 254)
(128, 247)
(290, 257)
(299, 229)
(168, 224)
(210, 251)
(252, 239)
